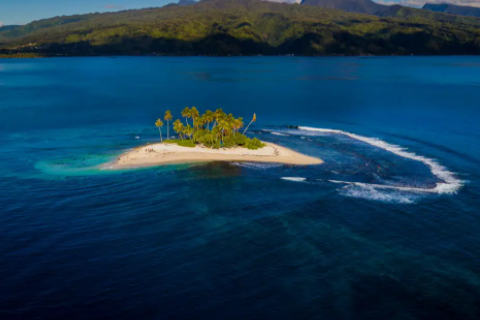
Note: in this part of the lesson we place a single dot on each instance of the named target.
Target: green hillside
(222, 27)
(398, 11)
(20, 31)
(8, 28)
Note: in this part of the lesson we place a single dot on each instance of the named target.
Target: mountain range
(371, 7)
(249, 27)
(359, 6)
(453, 9)
(9, 27)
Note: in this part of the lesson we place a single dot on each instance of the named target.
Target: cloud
(113, 6)
(1, 24)
(420, 3)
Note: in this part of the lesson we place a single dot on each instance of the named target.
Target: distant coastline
(46, 55)
(246, 28)
(21, 56)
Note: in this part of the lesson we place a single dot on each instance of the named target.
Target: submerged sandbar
(168, 153)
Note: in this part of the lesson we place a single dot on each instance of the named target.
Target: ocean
(387, 228)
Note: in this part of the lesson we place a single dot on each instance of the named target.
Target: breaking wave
(371, 193)
(276, 133)
(296, 179)
(449, 185)
(279, 134)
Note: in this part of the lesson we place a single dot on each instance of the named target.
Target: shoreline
(169, 153)
(51, 55)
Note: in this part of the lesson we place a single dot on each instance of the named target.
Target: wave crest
(296, 179)
(450, 185)
(371, 193)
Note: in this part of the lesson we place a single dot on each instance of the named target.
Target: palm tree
(186, 113)
(197, 122)
(217, 133)
(210, 138)
(231, 122)
(253, 120)
(239, 123)
(159, 125)
(208, 117)
(168, 117)
(224, 125)
(194, 113)
(218, 114)
(188, 131)
(178, 127)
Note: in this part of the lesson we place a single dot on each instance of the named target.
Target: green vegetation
(10, 32)
(399, 11)
(247, 27)
(20, 55)
(182, 143)
(168, 117)
(223, 134)
(9, 27)
(453, 9)
(159, 125)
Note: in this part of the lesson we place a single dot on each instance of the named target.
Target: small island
(213, 136)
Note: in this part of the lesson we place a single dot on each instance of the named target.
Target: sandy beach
(168, 153)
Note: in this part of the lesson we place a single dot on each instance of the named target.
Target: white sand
(167, 153)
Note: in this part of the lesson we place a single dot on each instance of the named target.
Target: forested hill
(359, 6)
(397, 11)
(248, 27)
(8, 28)
(20, 31)
(453, 9)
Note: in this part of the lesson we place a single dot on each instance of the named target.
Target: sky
(25, 11)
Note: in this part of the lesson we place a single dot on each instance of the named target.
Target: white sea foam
(257, 165)
(383, 186)
(276, 133)
(371, 193)
(450, 185)
(297, 179)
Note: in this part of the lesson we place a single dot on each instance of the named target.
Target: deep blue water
(238, 241)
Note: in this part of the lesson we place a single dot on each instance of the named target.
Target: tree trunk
(160, 130)
(168, 130)
(247, 127)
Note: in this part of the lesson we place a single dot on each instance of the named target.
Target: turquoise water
(387, 228)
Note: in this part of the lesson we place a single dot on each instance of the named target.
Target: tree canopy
(212, 129)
